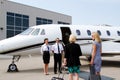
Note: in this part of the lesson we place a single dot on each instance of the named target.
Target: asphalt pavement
(31, 68)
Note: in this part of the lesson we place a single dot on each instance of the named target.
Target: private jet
(30, 41)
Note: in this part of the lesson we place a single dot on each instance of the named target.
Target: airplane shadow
(85, 75)
(106, 63)
(31, 71)
(38, 70)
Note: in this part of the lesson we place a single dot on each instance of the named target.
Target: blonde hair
(97, 37)
(72, 38)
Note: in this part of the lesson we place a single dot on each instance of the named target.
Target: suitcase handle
(62, 68)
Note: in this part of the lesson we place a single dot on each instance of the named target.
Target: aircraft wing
(111, 47)
(116, 40)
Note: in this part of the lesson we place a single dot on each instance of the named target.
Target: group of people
(57, 49)
(72, 52)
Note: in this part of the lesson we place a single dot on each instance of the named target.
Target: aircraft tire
(12, 68)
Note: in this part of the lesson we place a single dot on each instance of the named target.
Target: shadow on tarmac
(38, 70)
(106, 63)
(31, 71)
(85, 75)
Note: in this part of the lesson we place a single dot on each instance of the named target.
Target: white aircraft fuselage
(30, 41)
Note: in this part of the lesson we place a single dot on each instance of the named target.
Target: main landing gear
(13, 67)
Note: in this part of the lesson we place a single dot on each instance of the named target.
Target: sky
(83, 12)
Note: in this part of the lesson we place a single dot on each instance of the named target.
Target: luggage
(92, 72)
(93, 76)
(59, 78)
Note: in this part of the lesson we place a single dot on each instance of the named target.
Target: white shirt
(55, 48)
(45, 47)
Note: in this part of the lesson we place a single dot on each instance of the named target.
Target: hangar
(16, 17)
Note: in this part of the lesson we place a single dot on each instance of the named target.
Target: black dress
(72, 54)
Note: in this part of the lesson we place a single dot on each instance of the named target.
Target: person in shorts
(71, 58)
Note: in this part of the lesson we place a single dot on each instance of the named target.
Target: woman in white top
(45, 49)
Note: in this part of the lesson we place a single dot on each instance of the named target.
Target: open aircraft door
(65, 34)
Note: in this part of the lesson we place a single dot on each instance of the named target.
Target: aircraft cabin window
(99, 32)
(108, 33)
(27, 32)
(118, 32)
(43, 32)
(78, 32)
(35, 32)
(89, 32)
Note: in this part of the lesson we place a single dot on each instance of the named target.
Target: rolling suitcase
(57, 78)
(92, 72)
(93, 76)
(60, 78)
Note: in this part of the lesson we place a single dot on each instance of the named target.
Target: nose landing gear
(13, 67)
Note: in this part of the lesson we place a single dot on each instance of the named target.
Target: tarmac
(31, 68)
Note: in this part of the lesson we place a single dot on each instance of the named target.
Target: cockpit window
(42, 32)
(27, 32)
(35, 32)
